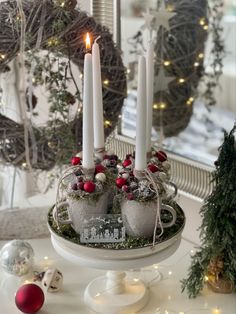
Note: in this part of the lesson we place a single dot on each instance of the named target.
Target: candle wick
(97, 38)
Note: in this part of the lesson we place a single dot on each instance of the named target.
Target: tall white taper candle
(97, 99)
(140, 150)
(150, 79)
(88, 160)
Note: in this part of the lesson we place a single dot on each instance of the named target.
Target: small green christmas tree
(215, 262)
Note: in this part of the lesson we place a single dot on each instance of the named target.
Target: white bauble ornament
(166, 165)
(80, 154)
(100, 177)
(119, 167)
(17, 257)
(125, 175)
(52, 280)
(162, 176)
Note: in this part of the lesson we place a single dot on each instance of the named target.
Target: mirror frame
(191, 177)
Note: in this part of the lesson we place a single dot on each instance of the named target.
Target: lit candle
(88, 161)
(140, 150)
(150, 78)
(97, 100)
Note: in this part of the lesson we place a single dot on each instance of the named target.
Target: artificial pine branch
(218, 229)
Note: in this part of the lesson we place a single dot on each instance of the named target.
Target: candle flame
(88, 41)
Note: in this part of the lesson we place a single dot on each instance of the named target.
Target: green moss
(67, 232)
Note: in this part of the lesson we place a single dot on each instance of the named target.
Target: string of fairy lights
(155, 269)
(183, 62)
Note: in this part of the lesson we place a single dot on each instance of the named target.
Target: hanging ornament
(29, 298)
(148, 17)
(17, 257)
(162, 81)
(163, 16)
(52, 280)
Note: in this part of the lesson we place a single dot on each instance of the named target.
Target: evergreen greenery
(218, 230)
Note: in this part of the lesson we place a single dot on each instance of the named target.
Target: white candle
(97, 99)
(140, 150)
(88, 161)
(150, 78)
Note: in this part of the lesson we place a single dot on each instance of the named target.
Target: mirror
(200, 140)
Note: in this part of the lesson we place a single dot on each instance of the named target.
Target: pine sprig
(218, 229)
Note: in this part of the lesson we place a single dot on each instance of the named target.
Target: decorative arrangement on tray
(99, 185)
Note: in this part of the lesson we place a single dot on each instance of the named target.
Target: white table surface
(165, 295)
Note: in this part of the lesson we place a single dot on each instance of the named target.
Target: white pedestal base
(100, 298)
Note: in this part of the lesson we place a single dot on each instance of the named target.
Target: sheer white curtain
(14, 183)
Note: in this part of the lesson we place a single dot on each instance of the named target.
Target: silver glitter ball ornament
(17, 257)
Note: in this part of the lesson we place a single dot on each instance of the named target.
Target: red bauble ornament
(120, 182)
(75, 161)
(126, 163)
(153, 168)
(29, 298)
(161, 156)
(99, 169)
(89, 186)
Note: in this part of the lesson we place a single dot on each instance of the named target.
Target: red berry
(99, 168)
(75, 161)
(89, 186)
(80, 179)
(80, 185)
(130, 196)
(74, 187)
(161, 156)
(126, 163)
(153, 168)
(125, 188)
(120, 182)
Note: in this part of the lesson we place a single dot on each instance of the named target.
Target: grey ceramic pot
(139, 218)
(78, 209)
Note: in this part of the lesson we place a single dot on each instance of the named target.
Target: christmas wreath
(50, 35)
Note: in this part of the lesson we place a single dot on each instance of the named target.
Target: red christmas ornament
(126, 163)
(153, 168)
(161, 156)
(120, 182)
(29, 298)
(75, 161)
(89, 186)
(99, 169)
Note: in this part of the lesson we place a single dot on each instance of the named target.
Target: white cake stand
(113, 294)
